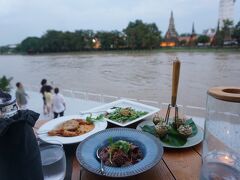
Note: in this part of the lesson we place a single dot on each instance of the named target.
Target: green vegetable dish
(123, 115)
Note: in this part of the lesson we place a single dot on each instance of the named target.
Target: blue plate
(150, 146)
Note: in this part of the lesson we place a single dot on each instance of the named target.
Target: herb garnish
(120, 144)
(91, 119)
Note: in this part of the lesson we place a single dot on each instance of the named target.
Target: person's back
(21, 96)
(58, 103)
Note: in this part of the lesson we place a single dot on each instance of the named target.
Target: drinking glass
(221, 145)
(53, 160)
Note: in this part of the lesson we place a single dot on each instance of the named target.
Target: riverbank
(164, 50)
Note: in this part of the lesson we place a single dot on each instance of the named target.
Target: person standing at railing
(58, 104)
(21, 97)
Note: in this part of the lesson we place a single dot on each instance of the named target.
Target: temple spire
(171, 32)
(193, 29)
(171, 18)
(171, 36)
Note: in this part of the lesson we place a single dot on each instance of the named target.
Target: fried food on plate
(73, 127)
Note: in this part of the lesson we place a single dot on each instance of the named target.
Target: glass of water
(53, 160)
(221, 145)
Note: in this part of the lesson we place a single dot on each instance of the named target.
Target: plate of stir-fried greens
(123, 115)
(125, 112)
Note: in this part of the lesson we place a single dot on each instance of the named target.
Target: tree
(52, 41)
(203, 39)
(227, 29)
(110, 40)
(183, 42)
(106, 39)
(4, 49)
(88, 39)
(137, 35)
(80, 40)
(30, 45)
(5, 83)
(185, 34)
(236, 32)
(142, 35)
(218, 38)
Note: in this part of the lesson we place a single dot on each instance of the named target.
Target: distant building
(226, 11)
(12, 46)
(193, 37)
(171, 37)
(96, 43)
(184, 40)
(8, 49)
(188, 39)
(210, 33)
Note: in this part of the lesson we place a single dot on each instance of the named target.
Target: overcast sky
(22, 18)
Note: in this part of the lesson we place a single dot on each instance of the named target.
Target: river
(134, 74)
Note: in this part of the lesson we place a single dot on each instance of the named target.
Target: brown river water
(136, 74)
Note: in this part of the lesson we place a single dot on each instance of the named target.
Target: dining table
(182, 164)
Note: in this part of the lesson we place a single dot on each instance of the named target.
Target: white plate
(192, 141)
(52, 124)
(126, 103)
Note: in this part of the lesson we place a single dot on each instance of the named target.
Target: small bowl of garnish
(124, 152)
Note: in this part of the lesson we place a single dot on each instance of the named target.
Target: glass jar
(221, 146)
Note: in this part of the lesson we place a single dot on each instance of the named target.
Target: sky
(22, 18)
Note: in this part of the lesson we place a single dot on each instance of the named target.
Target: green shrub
(5, 83)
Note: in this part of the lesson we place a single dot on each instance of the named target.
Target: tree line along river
(134, 74)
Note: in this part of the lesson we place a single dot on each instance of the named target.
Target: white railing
(103, 98)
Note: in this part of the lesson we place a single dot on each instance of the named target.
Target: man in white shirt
(58, 104)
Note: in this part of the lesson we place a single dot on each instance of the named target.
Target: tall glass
(53, 160)
(221, 146)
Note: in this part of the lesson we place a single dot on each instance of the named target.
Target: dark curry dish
(120, 153)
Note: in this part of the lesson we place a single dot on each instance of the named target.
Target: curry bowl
(150, 147)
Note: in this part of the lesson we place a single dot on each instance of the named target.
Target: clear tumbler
(53, 160)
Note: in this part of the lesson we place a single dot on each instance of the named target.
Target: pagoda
(171, 37)
(193, 37)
